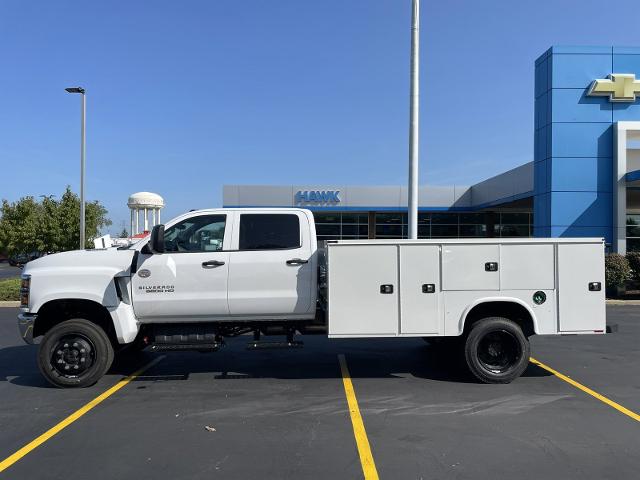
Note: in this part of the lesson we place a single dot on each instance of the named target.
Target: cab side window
(204, 233)
(269, 231)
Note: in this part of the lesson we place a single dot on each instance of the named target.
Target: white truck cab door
(189, 280)
(271, 265)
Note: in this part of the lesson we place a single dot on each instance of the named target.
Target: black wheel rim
(499, 351)
(73, 355)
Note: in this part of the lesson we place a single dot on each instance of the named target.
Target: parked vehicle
(20, 259)
(213, 274)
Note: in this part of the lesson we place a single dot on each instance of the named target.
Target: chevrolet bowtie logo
(619, 87)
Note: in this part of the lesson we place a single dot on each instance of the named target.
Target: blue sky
(186, 96)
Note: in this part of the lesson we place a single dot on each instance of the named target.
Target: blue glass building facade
(574, 155)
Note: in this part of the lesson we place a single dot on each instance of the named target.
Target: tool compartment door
(468, 267)
(363, 290)
(420, 296)
(581, 310)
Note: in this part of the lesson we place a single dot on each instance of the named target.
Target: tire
(75, 353)
(496, 350)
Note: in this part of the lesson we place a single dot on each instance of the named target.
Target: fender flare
(480, 301)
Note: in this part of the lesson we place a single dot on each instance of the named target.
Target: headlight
(25, 286)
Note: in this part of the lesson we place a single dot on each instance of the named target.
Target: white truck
(211, 274)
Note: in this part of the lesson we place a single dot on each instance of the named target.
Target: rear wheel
(496, 350)
(75, 353)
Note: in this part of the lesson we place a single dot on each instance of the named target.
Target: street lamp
(83, 110)
(413, 120)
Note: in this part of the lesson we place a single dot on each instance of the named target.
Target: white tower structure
(148, 204)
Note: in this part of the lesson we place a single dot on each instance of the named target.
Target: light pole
(413, 120)
(83, 111)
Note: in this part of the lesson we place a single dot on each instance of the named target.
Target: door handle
(297, 261)
(212, 264)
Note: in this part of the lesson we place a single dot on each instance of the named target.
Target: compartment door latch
(491, 267)
(595, 286)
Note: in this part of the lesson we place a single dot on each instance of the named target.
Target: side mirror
(156, 243)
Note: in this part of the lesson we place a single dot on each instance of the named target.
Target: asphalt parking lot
(7, 271)
(284, 414)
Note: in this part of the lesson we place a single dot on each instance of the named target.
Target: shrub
(616, 270)
(10, 289)
(634, 262)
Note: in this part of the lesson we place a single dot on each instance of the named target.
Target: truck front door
(189, 280)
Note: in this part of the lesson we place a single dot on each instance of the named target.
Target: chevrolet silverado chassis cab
(212, 274)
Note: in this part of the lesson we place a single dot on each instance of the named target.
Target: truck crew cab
(211, 274)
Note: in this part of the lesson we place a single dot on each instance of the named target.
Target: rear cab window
(269, 231)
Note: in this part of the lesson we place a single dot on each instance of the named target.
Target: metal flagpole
(413, 121)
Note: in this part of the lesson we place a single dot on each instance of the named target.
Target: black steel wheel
(75, 353)
(496, 350)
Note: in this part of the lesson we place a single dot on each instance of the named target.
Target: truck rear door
(271, 266)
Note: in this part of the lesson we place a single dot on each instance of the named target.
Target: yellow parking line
(364, 450)
(602, 398)
(10, 460)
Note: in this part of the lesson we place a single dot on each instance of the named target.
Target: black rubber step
(178, 347)
(260, 345)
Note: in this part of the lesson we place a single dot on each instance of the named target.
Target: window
(269, 231)
(633, 232)
(473, 231)
(337, 226)
(444, 231)
(204, 233)
(391, 225)
(514, 224)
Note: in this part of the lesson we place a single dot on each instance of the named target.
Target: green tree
(48, 226)
(124, 233)
(19, 226)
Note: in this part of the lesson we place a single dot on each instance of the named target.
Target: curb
(623, 302)
(9, 304)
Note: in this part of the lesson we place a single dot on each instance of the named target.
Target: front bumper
(26, 321)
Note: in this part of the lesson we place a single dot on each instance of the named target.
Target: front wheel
(496, 350)
(75, 353)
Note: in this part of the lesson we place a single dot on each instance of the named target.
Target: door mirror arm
(156, 242)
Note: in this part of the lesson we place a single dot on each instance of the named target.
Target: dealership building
(583, 180)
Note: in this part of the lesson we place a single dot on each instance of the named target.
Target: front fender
(94, 284)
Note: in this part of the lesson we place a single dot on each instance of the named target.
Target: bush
(616, 270)
(634, 262)
(10, 289)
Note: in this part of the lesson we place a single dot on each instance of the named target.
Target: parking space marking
(587, 390)
(364, 449)
(10, 460)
